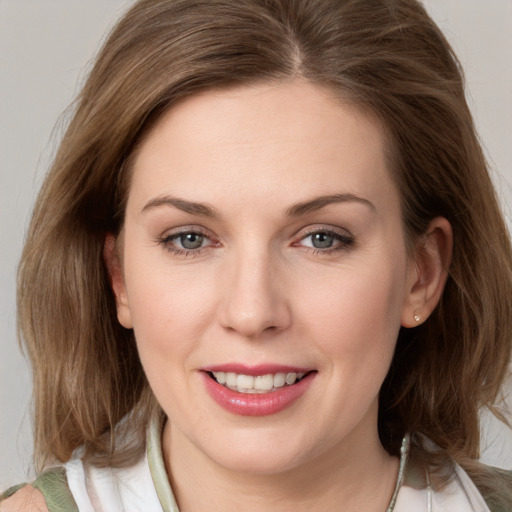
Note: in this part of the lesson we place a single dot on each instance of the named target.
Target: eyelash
(167, 242)
(345, 241)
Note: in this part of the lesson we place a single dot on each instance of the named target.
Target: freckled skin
(258, 290)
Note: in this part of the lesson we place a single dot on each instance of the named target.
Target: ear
(115, 271)
(428, 272)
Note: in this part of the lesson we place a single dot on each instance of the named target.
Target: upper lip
(255, 370)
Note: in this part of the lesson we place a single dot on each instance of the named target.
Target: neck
(358, 473)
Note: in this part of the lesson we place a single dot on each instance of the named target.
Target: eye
(190, 241)
(326, 241)
(322, 240)
(186, 243)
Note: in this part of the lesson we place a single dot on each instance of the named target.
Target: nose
(255, 296)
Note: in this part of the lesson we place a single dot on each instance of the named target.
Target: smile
(256, 384)
(256, 391)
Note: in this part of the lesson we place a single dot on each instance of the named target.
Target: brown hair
(386, 55)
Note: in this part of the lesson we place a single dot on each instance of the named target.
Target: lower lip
(257, 404)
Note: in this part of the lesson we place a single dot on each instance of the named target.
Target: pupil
(191, 241)
(322, 240)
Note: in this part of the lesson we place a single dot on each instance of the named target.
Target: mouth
(257, 384)
(256, 390)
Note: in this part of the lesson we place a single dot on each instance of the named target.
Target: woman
(267, 268)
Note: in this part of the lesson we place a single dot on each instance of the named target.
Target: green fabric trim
(54, 486)
(9, 492)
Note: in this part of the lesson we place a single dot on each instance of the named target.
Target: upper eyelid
(311, 230)
(173, 232)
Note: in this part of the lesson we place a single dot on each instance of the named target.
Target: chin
(258, 463)
(259, 454)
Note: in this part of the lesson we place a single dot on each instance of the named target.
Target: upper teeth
(259, 384)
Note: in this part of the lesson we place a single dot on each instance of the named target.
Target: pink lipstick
(256, 390)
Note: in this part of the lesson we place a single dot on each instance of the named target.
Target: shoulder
(25, 499)
(48, 493)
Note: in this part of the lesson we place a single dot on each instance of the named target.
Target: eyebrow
(181, 204)
(321, 202)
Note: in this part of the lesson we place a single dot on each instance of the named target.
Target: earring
(417, 318)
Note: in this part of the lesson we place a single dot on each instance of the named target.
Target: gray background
(46, 47)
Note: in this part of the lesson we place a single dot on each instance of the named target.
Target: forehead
(296, 138)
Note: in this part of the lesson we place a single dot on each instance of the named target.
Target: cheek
(169, 310)
(358, 314)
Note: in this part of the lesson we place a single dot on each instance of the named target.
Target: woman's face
(263, 246)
